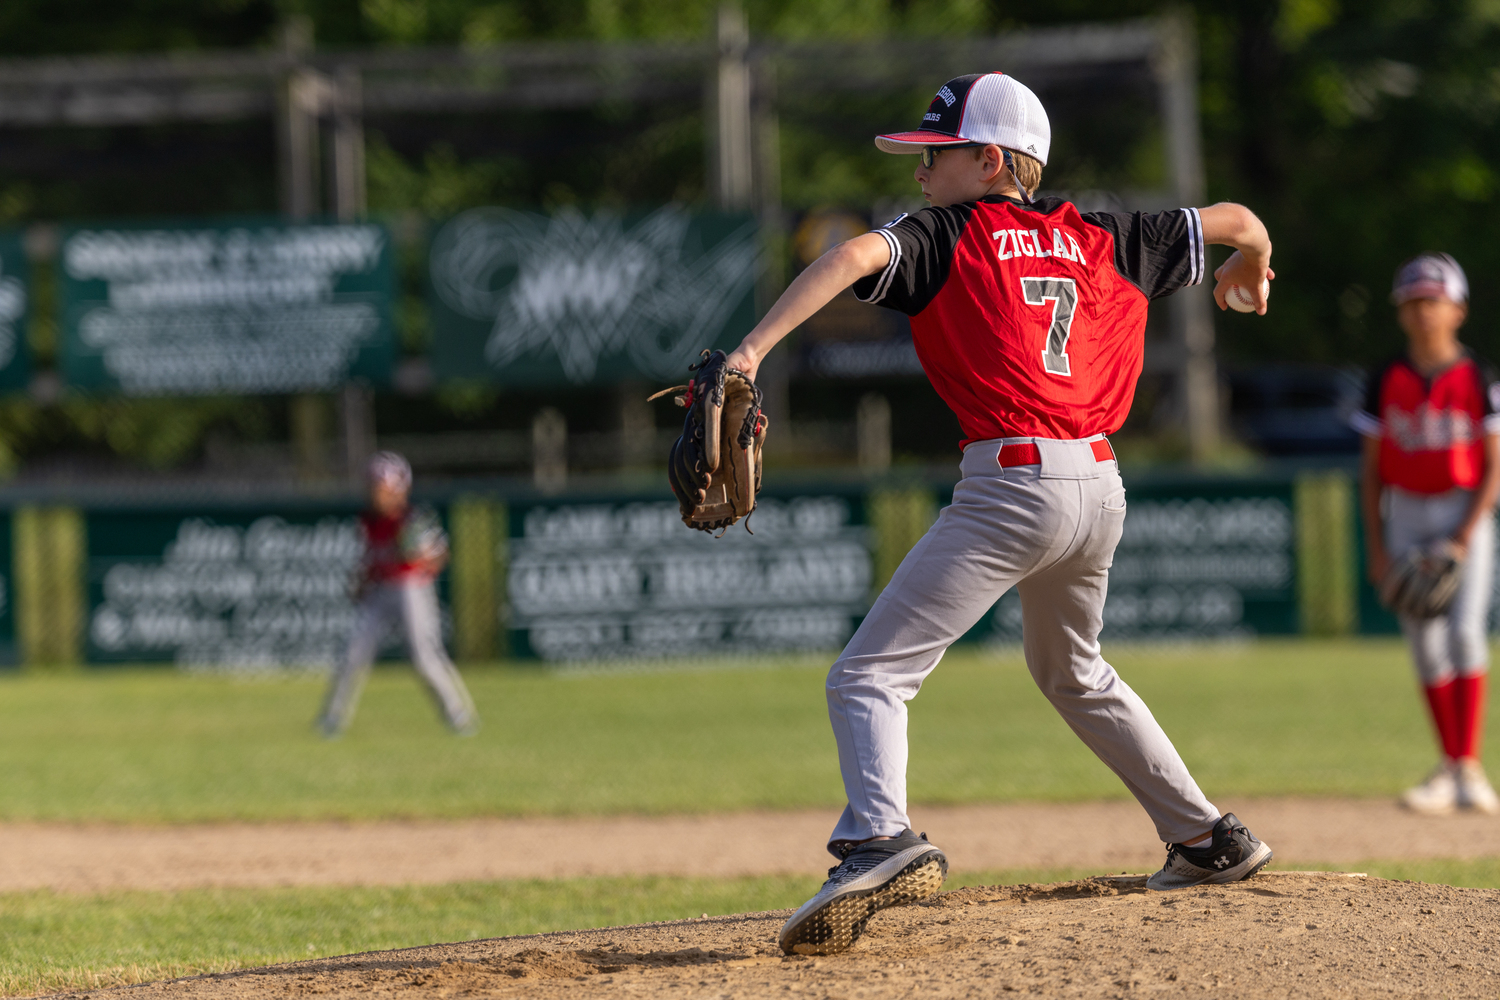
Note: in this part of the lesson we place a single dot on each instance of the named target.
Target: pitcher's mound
(1280, 934)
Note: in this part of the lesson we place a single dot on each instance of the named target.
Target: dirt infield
(977, 838)
(1289, 934)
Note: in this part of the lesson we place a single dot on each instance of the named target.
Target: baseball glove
(714, 467)
(1422, 583)
(422, 536)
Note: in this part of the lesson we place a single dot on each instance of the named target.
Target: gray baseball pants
(1050, 531)
(1457, 643)
(414, 604)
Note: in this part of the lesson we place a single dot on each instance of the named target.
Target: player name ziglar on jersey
(1026, 242)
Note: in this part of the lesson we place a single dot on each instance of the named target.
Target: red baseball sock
(1469, 693)
(1442, 699)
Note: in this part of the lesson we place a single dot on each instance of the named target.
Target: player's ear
(991, 162)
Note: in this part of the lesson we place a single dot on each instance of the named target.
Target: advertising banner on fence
(525, 299)
(613, 580)
(259, 307)
(1207, 561)
(229, 591)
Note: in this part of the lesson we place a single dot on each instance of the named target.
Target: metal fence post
(734, 169)
(297, 123)
(49, 554)
(897, 520)
(774, 377)
(1326, 574)
(1191, 309)
(549, 450)
(872, 423)
(472, 522)
(348, 145)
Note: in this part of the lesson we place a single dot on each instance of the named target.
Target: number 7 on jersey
(1064, 295)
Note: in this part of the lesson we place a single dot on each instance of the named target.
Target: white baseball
(1240, 302)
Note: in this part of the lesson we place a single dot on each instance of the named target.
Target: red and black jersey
(1431, 429)
(386, 555)
(1030, 320)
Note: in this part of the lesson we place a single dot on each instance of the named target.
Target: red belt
(1029, 454)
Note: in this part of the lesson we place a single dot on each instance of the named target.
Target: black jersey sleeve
(1157, 252)
(1489, 392)
(922, 247)
(1367, 419)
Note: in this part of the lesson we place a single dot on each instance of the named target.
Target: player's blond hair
(1028, 171)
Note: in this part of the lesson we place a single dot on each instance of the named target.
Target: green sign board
(624, 579)
(258, 307)
(525, 299)
(1202, 561)
(14, 285)
(223, 590)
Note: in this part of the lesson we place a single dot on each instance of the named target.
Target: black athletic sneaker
(1233, 854)
(873, 876)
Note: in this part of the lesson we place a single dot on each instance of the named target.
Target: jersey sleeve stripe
(884, 284)
(1195, 246)
(1367, 423)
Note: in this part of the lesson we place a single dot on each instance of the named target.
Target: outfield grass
(1269, 718)
(58, 942)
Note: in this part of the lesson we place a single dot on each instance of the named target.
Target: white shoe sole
(1254, 863)
(829, 924)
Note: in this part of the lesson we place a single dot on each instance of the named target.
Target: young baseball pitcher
(1029, 319)
(405, 549)
(1431, 474)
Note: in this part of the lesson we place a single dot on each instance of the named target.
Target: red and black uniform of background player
(1030, 319)
(1431, 430)
(384, 559)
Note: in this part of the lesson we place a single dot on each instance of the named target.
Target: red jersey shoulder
(1468, 386)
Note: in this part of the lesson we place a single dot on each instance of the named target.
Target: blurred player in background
(405, 549)
(1431, 471)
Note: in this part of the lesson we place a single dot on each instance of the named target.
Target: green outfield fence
(601, 572)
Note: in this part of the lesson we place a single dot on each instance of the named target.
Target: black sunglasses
(929, 157)
(929, 153)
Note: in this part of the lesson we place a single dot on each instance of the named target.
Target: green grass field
(158, 746)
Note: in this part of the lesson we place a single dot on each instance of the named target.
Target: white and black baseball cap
(1430, 276)
(979, 108)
